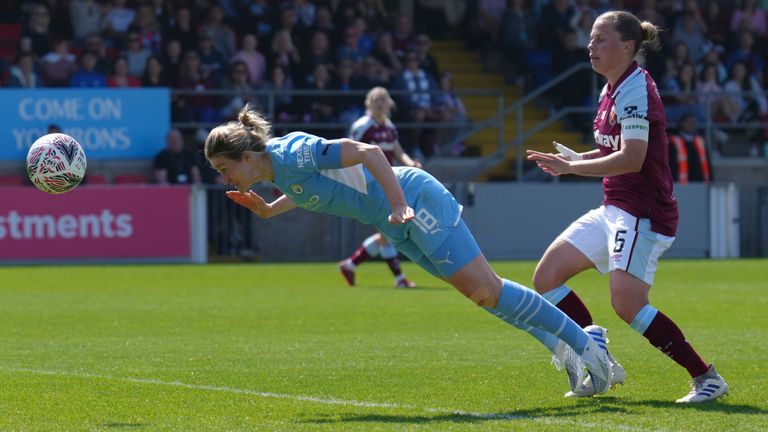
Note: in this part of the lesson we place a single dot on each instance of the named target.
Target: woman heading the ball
(637, 220)
(416, 213)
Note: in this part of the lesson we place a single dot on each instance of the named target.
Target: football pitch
(289, 347)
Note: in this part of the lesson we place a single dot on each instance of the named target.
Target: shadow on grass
(720, 405)
(471, 417)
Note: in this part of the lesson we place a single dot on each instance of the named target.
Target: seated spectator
(319, 107)
(95, 44)
(281, 84)
(688, 153)
(148, 28)
(211, 59)
(181, 29)
(154, 74)
(120, 76)
(172, 59)
(87, 76)
(365, 39)
(573, 91)
(427, 62)
(37, 29)
(711, 97)
(222, 35)
(751, 107)
(136, 54)
(319, 52)
(22, 74)
(751, 12)
(57, 67)
(554, 20)
(419, 105)
(690, 31)
(385, 54)
(682, 98)
(175, 164)
(253, 59)
(489, 15)
(284, 53)
(239, 81)
(349, 107)
(715, 17)
(374, 13)
(454, 112)
(372, 75)
(516, 40)
(350, 48)
(118, 18)
(324, 22)
(258, 16)
(193, 76)
(87, 18)
(747, 54)
(403, 39)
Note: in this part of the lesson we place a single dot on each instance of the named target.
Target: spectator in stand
(287, 22)
(175, 164)
(690, 31)
(118, 17)
(37, 29)
(490, 14)
(373, 74)
(573, 91)
(324, 21)
(711, 97)
(320, 107)
(752, 13)
(403, 39)
(136, 54)
(305, 14)
(87, 76)
(555, 19)
(688, 154)
(681, 55)
(385, 54)
(374, 13)
(22, 74)
(57, 67)
(211, 59)
(120, 76)
(172, 59)
(583, 17)
(751, 107)
(193, 76)
(365, 40)
(95, 44)
(319, 52)
(517, 38)
(281, 84)
(181, 29)
(716, 20)
(239, 81)
(455, 113)
(148, 27)
(257, 16)
(712, 57)
(747, 54)
(683, 100)
(427, 62)
(348, 107)
(350, 49)
(87, 17)
(418, 104)
(285, 54)
(154, 74)
(223, 37)
(253, 59)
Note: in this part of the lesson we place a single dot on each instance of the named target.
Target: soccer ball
(56, 163)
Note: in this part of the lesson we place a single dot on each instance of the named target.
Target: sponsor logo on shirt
(311, 204)
(304, 155)
(611, 141)
(631, 111)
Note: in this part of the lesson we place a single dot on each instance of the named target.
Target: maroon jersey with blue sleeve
(632, 109)
(366, 129)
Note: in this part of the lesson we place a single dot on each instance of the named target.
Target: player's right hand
(400, 215)
(250, 200)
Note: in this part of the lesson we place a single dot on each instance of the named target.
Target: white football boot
(707, 387)
(566, 358)
(596, 361)
(586, 390)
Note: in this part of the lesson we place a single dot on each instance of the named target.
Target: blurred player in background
(638, 218)
(375, 127)
(411, 208)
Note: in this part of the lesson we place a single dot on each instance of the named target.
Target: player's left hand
(400, 215)
(550, 163)
(250, 200)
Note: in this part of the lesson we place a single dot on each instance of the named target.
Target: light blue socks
(525, 309)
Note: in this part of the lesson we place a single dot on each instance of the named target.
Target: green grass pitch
(289, 347)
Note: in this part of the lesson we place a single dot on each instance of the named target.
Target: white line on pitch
(328, 401)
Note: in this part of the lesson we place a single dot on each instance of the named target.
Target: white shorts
(614, 239)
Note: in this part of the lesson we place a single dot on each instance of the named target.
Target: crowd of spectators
(237, 45)
(711, 64)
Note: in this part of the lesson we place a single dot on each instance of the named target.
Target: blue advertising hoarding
(108, 123)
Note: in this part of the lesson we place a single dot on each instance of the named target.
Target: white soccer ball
(56, 163)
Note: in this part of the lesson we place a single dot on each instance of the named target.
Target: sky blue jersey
(308, 170)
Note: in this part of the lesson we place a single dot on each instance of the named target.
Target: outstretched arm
(371, 156)
(255, 203)
(628, 159)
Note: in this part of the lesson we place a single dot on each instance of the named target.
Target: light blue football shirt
(308, 170)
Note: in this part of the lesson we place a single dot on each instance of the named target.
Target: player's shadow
(713, 406)
(462, 417)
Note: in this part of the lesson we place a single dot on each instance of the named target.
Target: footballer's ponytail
(250, 132)
(645, 34)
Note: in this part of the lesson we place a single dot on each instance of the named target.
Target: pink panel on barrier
(95, 223)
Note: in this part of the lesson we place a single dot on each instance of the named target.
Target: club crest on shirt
(297, 189)
(612, 117)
